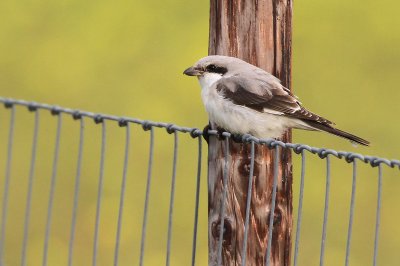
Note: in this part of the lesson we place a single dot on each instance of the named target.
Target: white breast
(208, 79)
(240, 119)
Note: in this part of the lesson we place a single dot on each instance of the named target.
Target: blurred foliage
(126, 58)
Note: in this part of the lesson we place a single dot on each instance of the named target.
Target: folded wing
(265, 95)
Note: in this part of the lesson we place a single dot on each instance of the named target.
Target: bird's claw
(206, 135)
(219, 134)
(238, 138)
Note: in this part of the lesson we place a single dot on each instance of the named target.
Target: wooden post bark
(258, 32)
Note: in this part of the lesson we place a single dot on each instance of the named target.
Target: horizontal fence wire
(149, 126)
(195, 132)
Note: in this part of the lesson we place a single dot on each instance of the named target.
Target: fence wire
(125, 122)
(146, 202)
(76, 191)
(29, 193)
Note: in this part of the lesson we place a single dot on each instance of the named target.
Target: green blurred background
(126, 58)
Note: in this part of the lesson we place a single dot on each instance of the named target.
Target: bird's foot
(238, 138)
(206, 135)
(220, 132)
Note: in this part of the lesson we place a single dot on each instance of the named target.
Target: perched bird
(244, 99)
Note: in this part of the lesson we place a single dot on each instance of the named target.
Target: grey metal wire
(76, 192)
(271, 143)
(52, 188)
(172, 198)
(30, 185)
(122, 195)
(272, 210)
(378, 214)
(248, 203)
(300, 208)
(7, 183)
(326, 208)
(224, 192)
(352, 203)
(99, 192)
(147, 197)
(197, 200)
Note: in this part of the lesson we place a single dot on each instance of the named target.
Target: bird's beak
(192, 71)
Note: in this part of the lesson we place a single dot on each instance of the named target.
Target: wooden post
(258, 32)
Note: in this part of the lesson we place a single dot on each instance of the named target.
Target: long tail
(338, 132)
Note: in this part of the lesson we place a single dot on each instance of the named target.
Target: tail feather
(338, 132)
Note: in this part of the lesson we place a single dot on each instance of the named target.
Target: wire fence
(26, 215)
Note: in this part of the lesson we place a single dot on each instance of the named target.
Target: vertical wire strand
(52, 190)
(224, 192)
(378, 215)
(272, 210)
(197, 200)
(248, 203)
(122, 196)
(99, 193)
(172, 198)
(147, 197)
(352, 203)
(30, 186)
(76, 192)
(7, 183)
(300, 208)
(326, 208)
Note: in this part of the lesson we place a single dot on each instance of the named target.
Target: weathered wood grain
(258, 32)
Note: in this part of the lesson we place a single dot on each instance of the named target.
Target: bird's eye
(211, 68)
(216, 69)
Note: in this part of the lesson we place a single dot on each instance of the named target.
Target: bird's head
(216, 65)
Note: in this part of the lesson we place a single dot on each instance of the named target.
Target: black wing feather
(260, 95)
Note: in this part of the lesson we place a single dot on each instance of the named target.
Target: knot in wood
(227, 233)
(277, 216)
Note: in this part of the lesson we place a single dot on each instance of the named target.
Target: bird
(244, 99)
